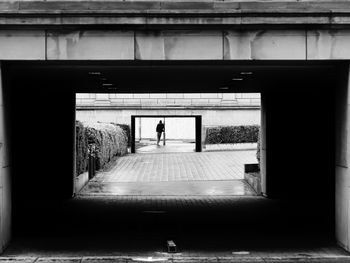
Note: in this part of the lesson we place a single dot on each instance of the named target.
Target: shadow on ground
(214, 225)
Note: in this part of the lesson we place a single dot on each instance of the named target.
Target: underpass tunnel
(298, 152)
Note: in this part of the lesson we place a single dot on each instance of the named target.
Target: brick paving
(169, 167)
(179, 188)
(329, 255)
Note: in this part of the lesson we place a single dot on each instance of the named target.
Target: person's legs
(158, 137)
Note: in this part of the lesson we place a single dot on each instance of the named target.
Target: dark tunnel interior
(299, 101)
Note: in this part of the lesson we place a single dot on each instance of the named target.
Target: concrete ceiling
(176, 77)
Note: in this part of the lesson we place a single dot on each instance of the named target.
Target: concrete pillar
(5, 180)
(342, 176)
(263, 143)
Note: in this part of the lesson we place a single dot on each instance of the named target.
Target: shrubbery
(126, 129)
(232, 134)
(81, 148)
(109, 140)
(258, 149)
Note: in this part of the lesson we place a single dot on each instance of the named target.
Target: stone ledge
(167, 107)
(279, 7)
(173, 13)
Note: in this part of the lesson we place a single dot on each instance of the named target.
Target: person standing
(159, 130)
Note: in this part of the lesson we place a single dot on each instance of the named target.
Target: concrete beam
(265, 44)
(22, 44)
(174, 44)
(206, 12)
(92, 44)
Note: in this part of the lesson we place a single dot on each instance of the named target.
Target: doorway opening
(175, 165)
(298, 214)
(181, 133)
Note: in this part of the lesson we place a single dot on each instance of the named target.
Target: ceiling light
(246, 73)
(95, 73)
(224, 88)
(237, 79)
(107, 84)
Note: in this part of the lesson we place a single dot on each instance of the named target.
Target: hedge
(232, 134)
(126, 129)
(258, 149)
(109, 140)
(81, 148)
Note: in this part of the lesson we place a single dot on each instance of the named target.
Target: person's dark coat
(160, 127)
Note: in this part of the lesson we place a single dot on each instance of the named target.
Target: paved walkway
(230, 147)
(190, 188)
(180, 146)
(337, 257)
(170, 167)
(175, 174)
(170, 147)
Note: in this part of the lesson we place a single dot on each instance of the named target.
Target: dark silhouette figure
(159, 129)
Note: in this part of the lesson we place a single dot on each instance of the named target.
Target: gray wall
(5, 182)
(175, 45)
(342, 177)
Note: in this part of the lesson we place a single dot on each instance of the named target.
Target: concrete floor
(170, 147)
(205, 229)
(191, 188)
(167, 167)
(211, 228)
(175, 174)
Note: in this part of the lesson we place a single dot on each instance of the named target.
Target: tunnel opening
(298, 115)
(224, 126)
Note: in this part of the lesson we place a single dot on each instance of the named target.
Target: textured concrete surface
(175, 45)
(178, 259)
(178, 167)
(342, 179)
(5, 174)
(210, 227)
(178, 174)
(198, 188)
(167, 12)
(169, 147)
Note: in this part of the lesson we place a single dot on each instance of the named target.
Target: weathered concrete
(265, 44)
(80, 181)
(342, 177)
(29, 45)
(102, 44)
(175, 44)
(179, 45)
(263, 143)
(5, 182)
(174, 13)
(328, 44)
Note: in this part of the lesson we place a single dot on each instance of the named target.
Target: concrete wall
(166, 100)
(174, 45)
(263, 144)
(217, 109)
(175, 128)
(209, 117)
(342, 177)
(179, 45)
(5, 179)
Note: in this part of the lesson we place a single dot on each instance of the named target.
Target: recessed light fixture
(95, 73)
(237, 79)
(246, 73)
(107, 84)
(224, 88)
